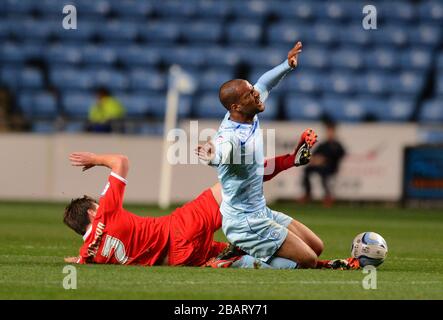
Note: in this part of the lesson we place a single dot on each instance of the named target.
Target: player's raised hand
(82, 159)
(206, 152)
(293, 54)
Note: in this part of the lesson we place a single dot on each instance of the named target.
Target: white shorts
(259, 234)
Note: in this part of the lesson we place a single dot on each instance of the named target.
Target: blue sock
(249, 262)
(282, 263)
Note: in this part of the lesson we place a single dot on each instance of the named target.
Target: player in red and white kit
(113, 235)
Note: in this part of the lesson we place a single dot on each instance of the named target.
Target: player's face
(250, 99)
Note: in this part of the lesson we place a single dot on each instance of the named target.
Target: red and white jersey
(118, 236)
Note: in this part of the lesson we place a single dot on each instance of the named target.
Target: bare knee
(308, 262)
(318, 247)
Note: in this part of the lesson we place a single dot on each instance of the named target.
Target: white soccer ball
(369, 248)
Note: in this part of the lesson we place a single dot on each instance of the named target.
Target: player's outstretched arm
(272, 77)
(118, 163)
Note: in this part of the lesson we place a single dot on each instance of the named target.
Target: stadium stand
(394, 73)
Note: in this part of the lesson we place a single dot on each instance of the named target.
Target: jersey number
(119, 249)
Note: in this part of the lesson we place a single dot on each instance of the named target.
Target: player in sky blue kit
(247, 222)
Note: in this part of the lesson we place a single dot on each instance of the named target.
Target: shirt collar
(88, 232)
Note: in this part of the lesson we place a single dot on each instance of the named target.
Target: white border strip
(119, 178)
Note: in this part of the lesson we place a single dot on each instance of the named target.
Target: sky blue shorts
(259, 234)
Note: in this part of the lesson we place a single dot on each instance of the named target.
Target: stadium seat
(35, 30)
(138, 56)
(431, 11)
(271, 108)
(192, 57)
(110, 78)
(43, 127)
(261, 58)
(74, 126)
(382, 58)
(144, 79)
(416, 59)
(44, 105)
(221, 57)
(132, 9)
(10, 77)
(426, 36)
(23, 7)
(408, 83)
(118, 31)
(86, 31)
(213, 9)
(396, 109)
(355, 36)
(93, 9)
(301, 107)
(254, 10)
(400, 12)
(294, 11)
(343, 109)
(175, 8)
(244, 33)
(440, 61)
(341, 83)
(335, 12)
(98, 55)
(440, 84)
(431, 112)
(212, 79)
(76, 105)
(157, 106)
(209, 106)
(31, 78)
(391, 35)
(160, 31)
(67, 79)
(315, 57)
(347, 59)
(63, 54)
(207, 32)
(285, 33)
(136, 105)
(306, 82)
(11, 53)
(375, 83)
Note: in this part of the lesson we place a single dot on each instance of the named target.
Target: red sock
(278, 164)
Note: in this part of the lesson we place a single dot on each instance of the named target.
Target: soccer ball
(369, 248)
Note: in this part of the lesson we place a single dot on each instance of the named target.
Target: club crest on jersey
(219, 139)
(105, 189)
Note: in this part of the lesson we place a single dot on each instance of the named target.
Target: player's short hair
(228, 93)
(76, 214)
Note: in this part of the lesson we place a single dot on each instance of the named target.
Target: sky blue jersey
(239, 155)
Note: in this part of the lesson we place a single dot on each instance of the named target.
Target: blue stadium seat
(375, 83)
(431, 11)
(74, 126)
(212, 79)
(111, 79)
(440, 61)
(31, 29)
(144, 79)
(431, 112)
(408, 83)
(244, 33)
(440, 84)
(348, 59)
(299, 107)
(397, 11)
(160, 31)
(306, 82)
(10, 76)
(77, 104)
(151, 128)
(382, 58)
(294, 10)
(396, 109)
(24, 7)
(67, 79)
(118, 31)
(138, 56)
(354, 35)
(271, 110)
(416, 59)
(44, 105)
(175, 8)
(63, 54)
(136, 105)
(221, 57)
(213, 9)
(286, 33)
(333, 11)
(43, 127)
(98, 55)
(184, 56)
(157, 105)
(426, 36)
(325, 34)
(132, 9)
(40, 105)
(196, 32)
(31, 78)
(254, 10)
(86, 31)
(375, 108)
(391, 35)
(341, 83)
(11, 53)
(315, 57)
(342, 109)
(260, 57)
(93, 9)
(209, 106)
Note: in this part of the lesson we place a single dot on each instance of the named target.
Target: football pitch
(33, 242)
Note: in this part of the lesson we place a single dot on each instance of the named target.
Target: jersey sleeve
(271, 78)
(111, 199)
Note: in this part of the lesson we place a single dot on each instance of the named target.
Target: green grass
(33, 242)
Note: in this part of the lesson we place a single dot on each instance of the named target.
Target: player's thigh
(307, 235)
